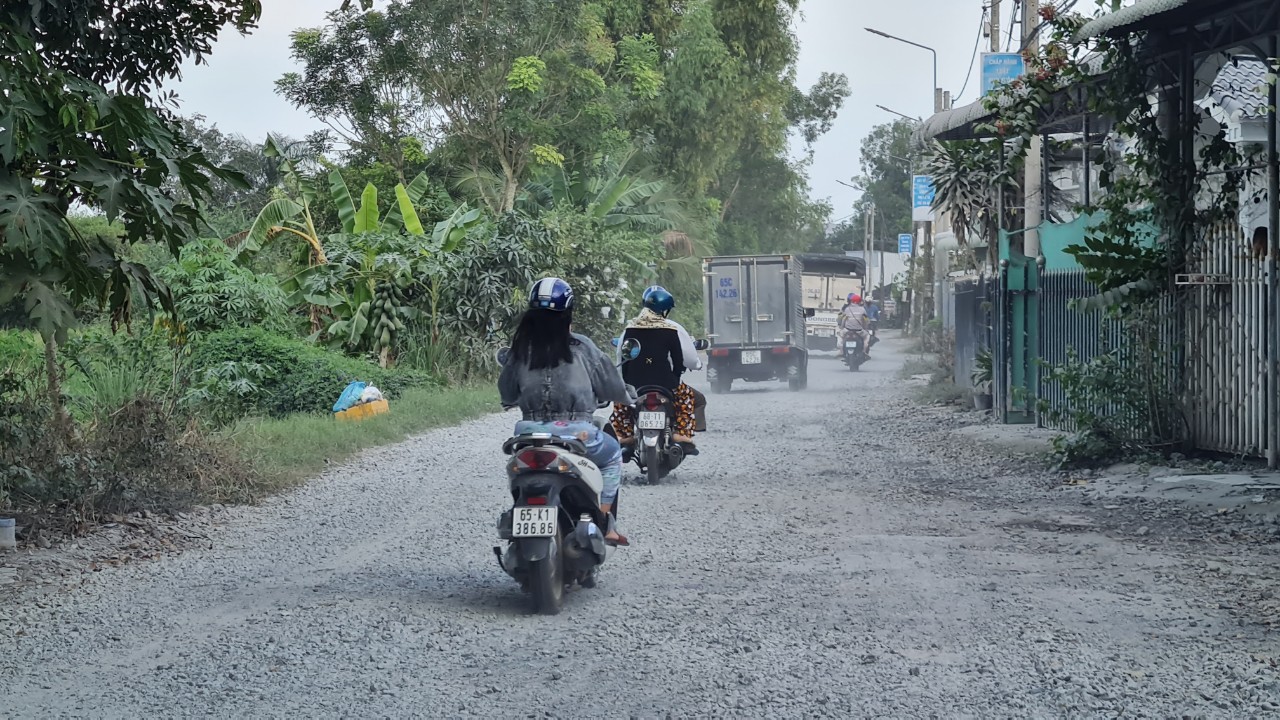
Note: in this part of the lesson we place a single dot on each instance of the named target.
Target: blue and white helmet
(657, 299)
(551, 294)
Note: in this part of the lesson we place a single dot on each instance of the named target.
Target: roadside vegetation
(180, 307)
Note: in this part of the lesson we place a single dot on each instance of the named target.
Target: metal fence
(1066, 331)
(971, 321)
(1212, 332)
(1225, 308)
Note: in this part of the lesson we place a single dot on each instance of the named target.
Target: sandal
(620, 541)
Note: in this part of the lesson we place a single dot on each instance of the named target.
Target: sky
(235, 90)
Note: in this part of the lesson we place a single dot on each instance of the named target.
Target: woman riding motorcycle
(666, 351)
(853, 320)
(557, 378)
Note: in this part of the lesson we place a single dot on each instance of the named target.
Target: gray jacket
(569, 392)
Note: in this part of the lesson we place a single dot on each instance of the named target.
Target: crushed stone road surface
(835, 552)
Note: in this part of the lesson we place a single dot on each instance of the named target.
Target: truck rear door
(749, 301)
(727, 301)
(770, 283)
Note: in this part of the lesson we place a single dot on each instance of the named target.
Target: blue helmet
(657, 299)
(551, 294)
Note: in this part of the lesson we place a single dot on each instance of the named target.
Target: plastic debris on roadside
(350, 396)
(370, 394)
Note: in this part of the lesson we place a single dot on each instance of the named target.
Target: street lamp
(881, 33)
(868, 231)
(901, 115)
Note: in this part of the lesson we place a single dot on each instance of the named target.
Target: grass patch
(942, 393)
(919, 365)
(290, 450)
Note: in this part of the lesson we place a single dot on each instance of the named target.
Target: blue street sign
(1000, 68)
(904, 243)
(922, 192)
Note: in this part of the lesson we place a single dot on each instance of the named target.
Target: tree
(290, 212)
(513, 83)
(80, 129)
(610, 190)
(886, 162)
(968, 177)
(357, 79)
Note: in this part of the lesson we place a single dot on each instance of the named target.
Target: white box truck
(755, 320)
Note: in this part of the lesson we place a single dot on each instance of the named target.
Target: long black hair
(542, 339)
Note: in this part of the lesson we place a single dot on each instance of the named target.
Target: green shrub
(143, 456)
(297, 376)
(111, 370)
(19, 349)
(211, 291)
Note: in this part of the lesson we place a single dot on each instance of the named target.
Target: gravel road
(835, 553)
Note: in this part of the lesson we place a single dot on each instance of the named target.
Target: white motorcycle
(555, 529)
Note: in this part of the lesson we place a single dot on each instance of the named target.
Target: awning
(958, 123)
(953, 124)
(1124, 20)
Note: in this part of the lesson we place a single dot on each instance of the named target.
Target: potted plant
(981, 377)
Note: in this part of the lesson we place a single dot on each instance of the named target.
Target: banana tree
(285, 214)
(373, 265)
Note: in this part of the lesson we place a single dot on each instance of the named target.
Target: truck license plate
(534, 522)
(652, 421)
(750, 357)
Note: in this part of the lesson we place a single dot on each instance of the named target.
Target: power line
(1013, 19)
(974, 57)
(1065, 7)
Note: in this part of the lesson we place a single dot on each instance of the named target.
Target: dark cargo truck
(755, 320)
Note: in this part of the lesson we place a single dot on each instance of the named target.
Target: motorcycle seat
(520, 442)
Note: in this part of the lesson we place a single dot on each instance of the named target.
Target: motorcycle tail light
(652, 401)
(535, 459)
(535, 501)
(720, 352)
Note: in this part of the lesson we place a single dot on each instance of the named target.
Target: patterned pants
(684, 424)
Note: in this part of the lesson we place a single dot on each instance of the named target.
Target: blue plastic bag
(350, 397)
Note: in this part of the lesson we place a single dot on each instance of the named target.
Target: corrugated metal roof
(944, 122)
(1239, 89)
(948, 120)
(1122, 18)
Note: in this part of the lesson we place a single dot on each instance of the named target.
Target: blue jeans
(602, 449)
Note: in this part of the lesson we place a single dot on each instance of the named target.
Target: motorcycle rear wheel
(652, 465)
(546, 580)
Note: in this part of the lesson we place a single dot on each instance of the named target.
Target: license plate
(534, 522)
(824, 333)
(750, 357)
(652, 421)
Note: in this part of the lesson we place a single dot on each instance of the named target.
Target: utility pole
(995, 26)
(866, 253)
(1033, 195)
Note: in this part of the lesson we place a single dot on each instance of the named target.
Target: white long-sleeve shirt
(691, 359)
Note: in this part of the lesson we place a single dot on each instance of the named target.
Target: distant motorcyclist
(873, 314)
(853, 321)
(873, 320)
(666, 352)
(557, 378)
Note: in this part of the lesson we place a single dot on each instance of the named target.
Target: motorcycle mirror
(630, 349)
(502, 355)
(701, 344)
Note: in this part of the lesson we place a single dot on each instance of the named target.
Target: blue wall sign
(904, 243)
(922, 198)
(1000, 68)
